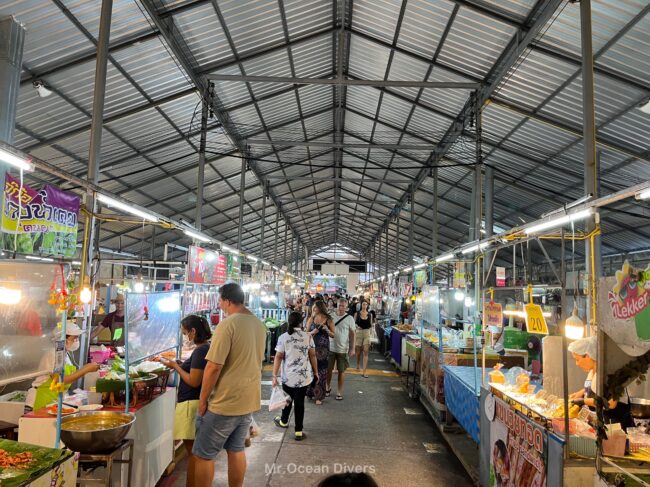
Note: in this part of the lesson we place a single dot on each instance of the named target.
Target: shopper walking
(363, 320)
(321, 328)
(296, 353)
(341, 347)
(231, 389)
(196, 331)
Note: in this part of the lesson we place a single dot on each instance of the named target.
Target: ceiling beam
(339, 145)
(345, 82)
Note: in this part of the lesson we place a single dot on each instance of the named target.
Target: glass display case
(28, 324)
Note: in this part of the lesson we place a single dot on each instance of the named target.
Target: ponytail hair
(200, 325)
(294, 320)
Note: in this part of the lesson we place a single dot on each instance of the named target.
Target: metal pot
(639, 407)
(95, 431)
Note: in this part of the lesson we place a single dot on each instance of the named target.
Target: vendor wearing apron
(584, 353)
(44, 395)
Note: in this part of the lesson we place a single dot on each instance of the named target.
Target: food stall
(151, 328)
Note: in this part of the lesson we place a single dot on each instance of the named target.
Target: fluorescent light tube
(196, 235)
(16, 161)
(113, 203)
(558, 222)
(420, 266)
(253, 258)
(265, 263)
(645, 194)
(444, 258)
(475, 247)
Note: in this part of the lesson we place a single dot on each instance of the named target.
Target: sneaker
(300, 436)
(278, 422)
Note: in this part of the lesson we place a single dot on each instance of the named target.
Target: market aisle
(377, 427)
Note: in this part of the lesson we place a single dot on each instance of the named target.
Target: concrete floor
(377, 427)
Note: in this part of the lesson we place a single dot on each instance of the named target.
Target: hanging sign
(623, 308)
(206, 267)
(420, 278)
(39, 222)
(232, 268)
(535, 322)
(492, 314)
(459, 275)
(518, 449)
(501, 276)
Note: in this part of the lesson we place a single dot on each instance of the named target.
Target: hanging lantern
(574, 327)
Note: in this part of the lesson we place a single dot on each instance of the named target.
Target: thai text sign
(519, 449)
(41, 221)
(492, 314)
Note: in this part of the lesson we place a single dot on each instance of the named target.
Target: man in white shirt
(341, 346)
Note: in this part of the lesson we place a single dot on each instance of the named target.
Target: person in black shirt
(364, 322)
(196, 331)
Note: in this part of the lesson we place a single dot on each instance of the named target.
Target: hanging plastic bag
(279, 399)
(374, 339)
(254, 429)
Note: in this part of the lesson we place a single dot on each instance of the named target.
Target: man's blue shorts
(215, 433)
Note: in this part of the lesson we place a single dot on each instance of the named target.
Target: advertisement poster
(459, 275)
(518, 449)
(501, 276)
(232, 268)
(41, 221)
(328, 285)
(420, 278)
(206, 267)
(623, 311)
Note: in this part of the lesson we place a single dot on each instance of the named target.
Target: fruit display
(404, 328)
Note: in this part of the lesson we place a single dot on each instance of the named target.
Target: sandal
(319, 402)
(365, 376)
(339, 397)
(328, 392)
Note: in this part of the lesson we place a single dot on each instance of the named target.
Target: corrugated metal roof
(531, 130)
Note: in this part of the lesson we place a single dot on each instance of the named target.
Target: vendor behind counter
(42, 393)
(585, 353)
(114, 322)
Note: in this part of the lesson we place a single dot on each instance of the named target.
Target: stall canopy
(341, 109)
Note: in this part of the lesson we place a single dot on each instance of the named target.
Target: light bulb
(574, 327)
(459, 295)
(85, 296)
(138, 287)
(10, 296)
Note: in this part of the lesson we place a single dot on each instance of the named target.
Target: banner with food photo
(518, 449)
(623, 308)
(206, 267)
(41, 221)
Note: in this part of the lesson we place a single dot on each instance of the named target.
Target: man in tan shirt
(231, 389)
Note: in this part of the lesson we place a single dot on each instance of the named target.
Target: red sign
(501, 276)
(206, 267)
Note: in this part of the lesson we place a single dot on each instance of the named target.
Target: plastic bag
(254, 429)
(279, 399)
(373, 335)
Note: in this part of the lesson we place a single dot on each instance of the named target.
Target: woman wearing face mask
(196, 332)
(41, 385)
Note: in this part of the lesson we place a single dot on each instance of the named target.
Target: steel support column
(242, 200)
(387, 265)
(201, 168)
(411, 226)
(12, 40)
(94, 160)
(263, 228)
(434, 222)
(489, 214)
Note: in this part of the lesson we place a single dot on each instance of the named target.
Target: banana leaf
(43, 460)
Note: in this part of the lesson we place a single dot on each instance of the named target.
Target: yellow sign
(492, 314)
(535, 322)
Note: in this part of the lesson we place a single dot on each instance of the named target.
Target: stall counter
(152, 432)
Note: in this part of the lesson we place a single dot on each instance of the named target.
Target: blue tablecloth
(461, 397)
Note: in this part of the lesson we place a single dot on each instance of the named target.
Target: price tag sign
(59, 356)
(535, 322)
(492, 314)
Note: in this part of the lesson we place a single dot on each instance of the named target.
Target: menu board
(153, 323)
(27, 321)
(206, 267)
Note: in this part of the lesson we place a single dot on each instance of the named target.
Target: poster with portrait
(518, 449)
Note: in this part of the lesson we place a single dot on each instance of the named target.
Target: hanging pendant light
(574, 327)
